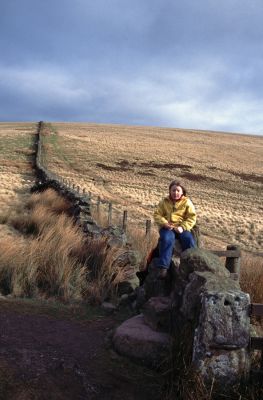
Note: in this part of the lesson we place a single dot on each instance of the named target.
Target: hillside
(132, 167)
(53, 344)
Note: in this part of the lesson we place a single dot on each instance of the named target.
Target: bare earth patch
(48, 357)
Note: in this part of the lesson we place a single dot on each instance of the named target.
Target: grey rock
(157, 313)
(198, 283)
(201, 260)
(140, 297)
(226, 368)
(222, 336)
(108, 307)
(223, 321)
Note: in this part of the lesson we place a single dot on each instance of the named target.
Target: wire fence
(104, 212)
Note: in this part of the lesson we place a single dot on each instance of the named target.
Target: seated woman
(175, 215)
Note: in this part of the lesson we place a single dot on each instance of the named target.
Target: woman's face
(176, 192)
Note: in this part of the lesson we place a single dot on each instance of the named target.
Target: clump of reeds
(251, 279)
(57, 260)
(251, 282)
(105, 270)
(43, 265)
(49, 199)
(39, 212)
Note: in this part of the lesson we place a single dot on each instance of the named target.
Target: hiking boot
(141, 275)
(162, 274)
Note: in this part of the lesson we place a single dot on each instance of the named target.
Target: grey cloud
(54, 94)
(161, 62)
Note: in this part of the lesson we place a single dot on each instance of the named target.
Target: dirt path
(45, 357)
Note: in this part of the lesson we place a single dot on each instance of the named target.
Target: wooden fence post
(148, 228)
(98, 205)
(124, 221)
(110, 214)
(233, 263)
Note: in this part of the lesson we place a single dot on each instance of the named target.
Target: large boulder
(218, 310)
(157, 313)
(199, 283)
(221, 340)
(136, 340)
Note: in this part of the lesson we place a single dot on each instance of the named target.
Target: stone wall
(220, 312)
(200, 298)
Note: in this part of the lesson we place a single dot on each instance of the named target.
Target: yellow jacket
(181, 213)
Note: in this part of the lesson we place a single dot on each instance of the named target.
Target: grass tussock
(251, 279)
(39, 212)
(4, 216)
(42, 266)
(57, 260)
(105, 270)
(48, 199)
(190, 386)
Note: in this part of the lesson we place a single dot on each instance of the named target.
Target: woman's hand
(168, 226)
(179, 229)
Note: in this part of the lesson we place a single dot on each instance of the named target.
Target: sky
(194, 64)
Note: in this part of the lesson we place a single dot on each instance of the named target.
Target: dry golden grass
(16, 155)
(52, 258)
(43, 265)
(132, 167)
(251, 279)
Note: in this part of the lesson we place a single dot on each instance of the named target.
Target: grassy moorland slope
(16, 153)
(132, 167)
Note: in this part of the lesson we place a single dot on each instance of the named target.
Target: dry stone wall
(220, 312)
(200, 298)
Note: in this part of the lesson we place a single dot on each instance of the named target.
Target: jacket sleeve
(190, 217)
(159, 213)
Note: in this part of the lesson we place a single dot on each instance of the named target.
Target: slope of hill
(132, 167)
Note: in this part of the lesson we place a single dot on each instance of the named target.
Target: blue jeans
(167, 241)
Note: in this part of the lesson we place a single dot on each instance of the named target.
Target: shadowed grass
(57, 260)
(251, 280)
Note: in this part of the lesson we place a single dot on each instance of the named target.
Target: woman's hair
(177, 183)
